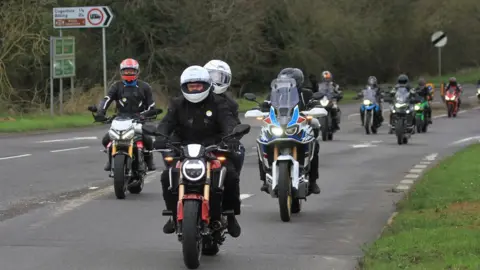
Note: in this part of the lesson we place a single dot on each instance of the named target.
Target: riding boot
(150, 164)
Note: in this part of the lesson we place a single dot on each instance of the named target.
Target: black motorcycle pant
(231, 192)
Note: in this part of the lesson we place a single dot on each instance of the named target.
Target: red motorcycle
(451, 100)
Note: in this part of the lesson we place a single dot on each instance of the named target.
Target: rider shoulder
(144, 85)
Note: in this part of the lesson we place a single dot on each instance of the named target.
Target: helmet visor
(220, 78)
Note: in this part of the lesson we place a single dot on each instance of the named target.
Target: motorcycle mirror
(250, 96)
(92, 108)
(239, 130)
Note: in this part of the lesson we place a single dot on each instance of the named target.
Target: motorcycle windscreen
(369, 94)
(284, 97)
(326, 89)
(402, 95)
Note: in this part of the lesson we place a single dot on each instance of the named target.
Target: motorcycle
(198, 178)
(286, 145)
(369, 110)
(451, 100)
(327, 100)
(421, 121)
(126, 150)
(403, 122)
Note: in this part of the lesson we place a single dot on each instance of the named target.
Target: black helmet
(372, 81)
(293, 73)
(422, 82)
(402, 79)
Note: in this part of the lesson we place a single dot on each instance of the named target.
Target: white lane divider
(69, 139)
(12, 157)
(466, 140)
(415, 173)
(69, 149)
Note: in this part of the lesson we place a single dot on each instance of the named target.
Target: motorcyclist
(132, 97)
(424, 91)
(305, 96)
(327, 78)
(373, 84)
(221, 75)
(200, 116)
(402, 82)
(452, 82)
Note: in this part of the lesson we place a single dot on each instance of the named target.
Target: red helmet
(129, 69)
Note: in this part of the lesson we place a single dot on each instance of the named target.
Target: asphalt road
(57, 211)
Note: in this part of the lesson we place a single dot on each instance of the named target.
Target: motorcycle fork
(205, 201)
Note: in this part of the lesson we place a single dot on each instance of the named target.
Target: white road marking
(466, 140)
(425, 162)
(402, 187)
(412, 176)
(412, 171)
(420, 166)
(69, 139)
(431, 157)
(406, 182)
(12, 157)
(245, 196)
(93, 188)
(69, 149)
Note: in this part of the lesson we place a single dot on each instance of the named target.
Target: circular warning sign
(95, 16)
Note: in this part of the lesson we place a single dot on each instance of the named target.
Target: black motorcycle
(198, 179)
(327, 99)
(126, 150)
(402, 116)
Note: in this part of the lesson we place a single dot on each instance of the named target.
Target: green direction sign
(63, 57)
(64, 68)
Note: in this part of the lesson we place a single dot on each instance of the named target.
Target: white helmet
(221, 75)
(195, 83)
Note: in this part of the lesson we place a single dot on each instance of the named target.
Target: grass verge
(44, 122)
(464, 76)
(438, 225)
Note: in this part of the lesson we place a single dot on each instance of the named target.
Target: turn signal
(168, 159)
(222, 159)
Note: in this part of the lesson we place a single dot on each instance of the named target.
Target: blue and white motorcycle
(286, 145)
(369, 110)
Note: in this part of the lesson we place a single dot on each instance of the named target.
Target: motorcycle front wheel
(284, 191)
(191, 238)
(119, 176)
(400, 131)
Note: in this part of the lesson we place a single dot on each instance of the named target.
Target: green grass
(44, 122)
(438, 225)
(464, 76)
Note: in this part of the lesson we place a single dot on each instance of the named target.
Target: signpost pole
(104, 51)
(52, 51)
(439, 62)
(60, 94)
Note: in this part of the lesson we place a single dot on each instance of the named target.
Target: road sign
(82, 17)
(439, 39)
(63, 57)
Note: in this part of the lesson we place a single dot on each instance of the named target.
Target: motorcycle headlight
(399, 105)
(417, 108)
(193, 169)
(408, 111)
(291, 130)
(113, 134)
(324, 102)
(478, 91)
(277, 131)
(366, 102)
(127, 135)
